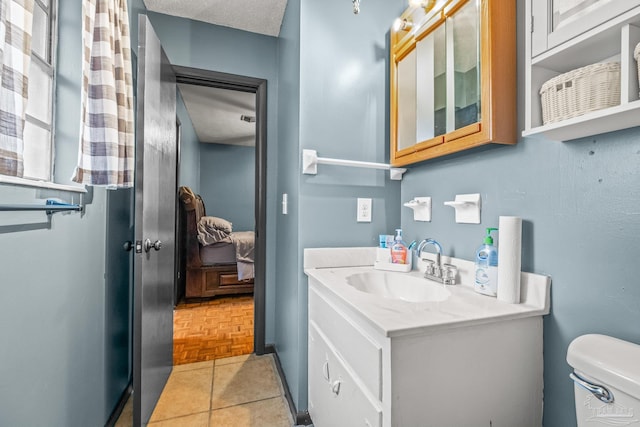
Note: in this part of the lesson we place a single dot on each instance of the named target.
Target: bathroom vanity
(395, 349)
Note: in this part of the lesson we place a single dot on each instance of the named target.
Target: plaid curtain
(106, 155)
(16, 19)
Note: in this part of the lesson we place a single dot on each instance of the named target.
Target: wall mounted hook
(467, 208)
(421, 208)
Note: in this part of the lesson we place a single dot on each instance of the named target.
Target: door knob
(157, 245)
(128, 245)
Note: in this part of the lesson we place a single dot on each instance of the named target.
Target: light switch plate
(364, 210)
(285, 203)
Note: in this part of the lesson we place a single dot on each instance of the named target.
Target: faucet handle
(438, 270)
(449, 274)
(430, 267)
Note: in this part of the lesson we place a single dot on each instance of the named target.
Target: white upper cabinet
(558, 21)
(565, 35)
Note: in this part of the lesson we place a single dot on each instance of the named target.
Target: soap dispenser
(399, 249)
(486, 278)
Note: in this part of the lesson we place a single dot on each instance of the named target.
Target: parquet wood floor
(203, 331)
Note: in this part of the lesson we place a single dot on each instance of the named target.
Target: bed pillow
(212, 230)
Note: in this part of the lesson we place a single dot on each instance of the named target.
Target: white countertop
(330, 268)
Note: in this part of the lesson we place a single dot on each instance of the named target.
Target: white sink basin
(398, 286)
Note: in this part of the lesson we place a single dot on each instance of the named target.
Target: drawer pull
(325, 371)
(335, 388)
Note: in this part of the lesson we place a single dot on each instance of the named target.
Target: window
(38, 131)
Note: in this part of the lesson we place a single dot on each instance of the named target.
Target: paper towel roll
(509, 258)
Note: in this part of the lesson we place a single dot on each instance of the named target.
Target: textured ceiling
(215, 114)
(257, 16)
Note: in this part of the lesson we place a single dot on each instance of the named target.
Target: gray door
(155, 185)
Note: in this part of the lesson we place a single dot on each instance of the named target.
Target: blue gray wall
(580, 203)
(228, 182)
(189, 173)
(336, 64)
(287, 299)
(210, 47)
(579, 199)
(54, 353)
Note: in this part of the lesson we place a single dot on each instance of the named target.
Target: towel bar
(51, 207)
(310, 161)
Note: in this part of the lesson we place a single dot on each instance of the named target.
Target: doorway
(155, 224)
(197, 82)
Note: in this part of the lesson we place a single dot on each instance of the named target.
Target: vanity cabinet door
(335, 397)
(362, 354)
(453, 78)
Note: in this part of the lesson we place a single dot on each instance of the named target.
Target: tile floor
(240, 391)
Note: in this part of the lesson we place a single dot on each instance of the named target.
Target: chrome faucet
(436, 271)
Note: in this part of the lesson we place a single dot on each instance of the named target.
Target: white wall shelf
(594, 123)
(614, 39)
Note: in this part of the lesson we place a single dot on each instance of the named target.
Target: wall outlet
(364, 210)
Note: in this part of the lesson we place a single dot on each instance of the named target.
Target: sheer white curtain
(16, 20)
(106, 155)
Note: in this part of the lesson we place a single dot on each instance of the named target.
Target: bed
(213, 258)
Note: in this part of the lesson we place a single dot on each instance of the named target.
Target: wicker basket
(636, 54)
(579, 91)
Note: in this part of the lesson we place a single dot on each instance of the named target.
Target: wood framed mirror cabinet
(452, 78)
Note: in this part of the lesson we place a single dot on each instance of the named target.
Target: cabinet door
(336, 399)
(431, 85)
(463, 33)
(406, 117)
(558, 21)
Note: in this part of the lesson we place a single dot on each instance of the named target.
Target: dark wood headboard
(198, 280)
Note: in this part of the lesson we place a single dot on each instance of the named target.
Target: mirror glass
(432, 85)
(466, 57)
(406, 118)
(440, 81)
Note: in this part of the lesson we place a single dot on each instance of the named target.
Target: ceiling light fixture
(356, 7)
(248, 119)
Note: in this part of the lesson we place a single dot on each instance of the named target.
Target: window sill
(5, 179)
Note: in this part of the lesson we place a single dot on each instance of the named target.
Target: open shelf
(611, 41)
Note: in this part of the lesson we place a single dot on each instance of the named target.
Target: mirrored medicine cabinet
(452, 78)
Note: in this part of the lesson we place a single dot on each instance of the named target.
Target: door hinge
(532, 19)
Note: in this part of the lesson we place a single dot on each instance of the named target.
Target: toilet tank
(607, 380)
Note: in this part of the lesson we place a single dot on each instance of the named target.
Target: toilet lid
(614, 362)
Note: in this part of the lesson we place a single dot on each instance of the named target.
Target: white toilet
(606, 374)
